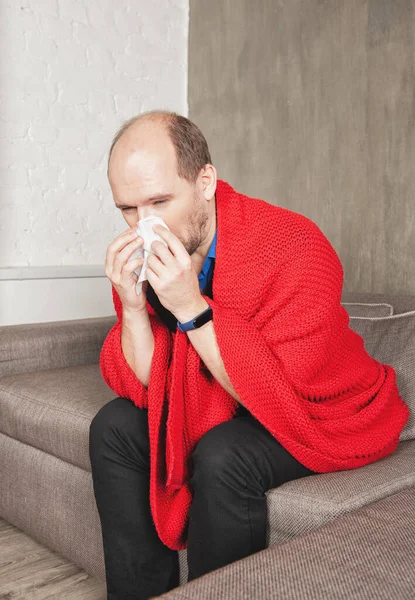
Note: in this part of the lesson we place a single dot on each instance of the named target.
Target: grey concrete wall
(309, 104)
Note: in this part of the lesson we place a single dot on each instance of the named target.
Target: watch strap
(200, 319)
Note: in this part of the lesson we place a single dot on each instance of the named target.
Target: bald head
(143, 158)
(190, 146)
(143, 145)
(146, 122)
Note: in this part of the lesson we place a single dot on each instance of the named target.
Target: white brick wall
(71, 72)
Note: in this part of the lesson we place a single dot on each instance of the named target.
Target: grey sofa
(367, 554)
(51, 388)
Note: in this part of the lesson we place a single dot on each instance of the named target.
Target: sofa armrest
(40, 346)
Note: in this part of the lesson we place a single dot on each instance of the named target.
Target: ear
(208, 179)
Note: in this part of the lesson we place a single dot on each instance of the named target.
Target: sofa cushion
(367, 309)
(401, 303)
(38, 346)
(391, 340)
(303, 504)
(52, 409)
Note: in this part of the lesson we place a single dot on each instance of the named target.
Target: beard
(196, 226)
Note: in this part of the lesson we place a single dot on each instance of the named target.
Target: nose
(140, 214)
(145, 211)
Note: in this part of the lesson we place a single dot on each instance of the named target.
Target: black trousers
(232, 467)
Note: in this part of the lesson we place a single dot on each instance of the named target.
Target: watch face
(204, 318)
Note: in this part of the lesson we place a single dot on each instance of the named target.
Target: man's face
(144, 181)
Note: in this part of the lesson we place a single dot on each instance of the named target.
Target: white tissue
(145, 230)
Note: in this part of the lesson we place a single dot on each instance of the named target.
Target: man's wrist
(130, 314)
(189, 313)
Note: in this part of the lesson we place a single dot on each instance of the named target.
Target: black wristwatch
(197, 321)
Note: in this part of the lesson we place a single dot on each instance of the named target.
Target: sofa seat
(58, 423)
(301, 505)
(366, 554)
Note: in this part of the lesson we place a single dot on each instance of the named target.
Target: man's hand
(120, 271)
(173, 277)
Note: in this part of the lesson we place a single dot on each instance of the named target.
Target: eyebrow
(152, 199)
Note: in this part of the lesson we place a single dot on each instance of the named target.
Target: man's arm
(204, 342)
(137, 342)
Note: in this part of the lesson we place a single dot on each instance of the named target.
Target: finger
(125, 255)
(162, 252)
(156, 264)
(152, 277)
(175, 245)
(124, 237)
(120, 242)
(127, 273)
(121, 257)
(132, 265)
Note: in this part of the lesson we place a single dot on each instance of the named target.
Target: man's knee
(217, 453)
(120, 414)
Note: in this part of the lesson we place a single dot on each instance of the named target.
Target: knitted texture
(287, 348)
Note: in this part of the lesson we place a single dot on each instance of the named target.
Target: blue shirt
(205, 274)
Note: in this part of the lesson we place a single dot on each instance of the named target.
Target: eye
(131, 207)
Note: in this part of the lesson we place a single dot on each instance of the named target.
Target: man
(235, 368)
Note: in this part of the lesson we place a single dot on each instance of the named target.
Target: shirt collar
(212, 250)
(211, 254)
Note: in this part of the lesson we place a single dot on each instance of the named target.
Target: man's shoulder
(279, 222)
(256, 208)
(272, 229)
(255, 204)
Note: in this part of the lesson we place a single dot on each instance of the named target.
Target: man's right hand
(120, 271)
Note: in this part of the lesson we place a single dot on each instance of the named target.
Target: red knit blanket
(287, 348)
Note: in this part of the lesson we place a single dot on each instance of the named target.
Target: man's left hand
(173, 277)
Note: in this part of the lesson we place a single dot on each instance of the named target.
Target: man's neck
(198, 257)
